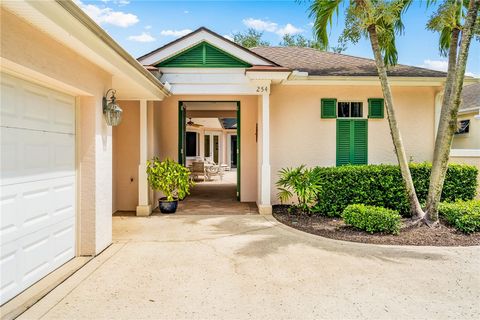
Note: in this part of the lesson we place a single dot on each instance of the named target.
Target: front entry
(209, 134)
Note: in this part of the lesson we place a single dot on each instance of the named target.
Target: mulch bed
(335, 228)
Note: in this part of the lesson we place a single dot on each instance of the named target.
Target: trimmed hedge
(463, 215)
(382, 186)
(372, 219)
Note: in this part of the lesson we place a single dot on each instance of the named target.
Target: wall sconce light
(111, 110)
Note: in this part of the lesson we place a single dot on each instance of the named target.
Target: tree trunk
(415, 208)
(448, 118)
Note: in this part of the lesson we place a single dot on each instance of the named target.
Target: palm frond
(323, 11)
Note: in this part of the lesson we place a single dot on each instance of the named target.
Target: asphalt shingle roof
(470, 97)
(321, 63)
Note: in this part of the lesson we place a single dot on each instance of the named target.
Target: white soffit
(51, 18)
(196, 38)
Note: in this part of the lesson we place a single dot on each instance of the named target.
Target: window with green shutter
(375, 108)
(328, 108)
(352, 138)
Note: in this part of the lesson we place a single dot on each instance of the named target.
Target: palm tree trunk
(415, 208)
(450, 105)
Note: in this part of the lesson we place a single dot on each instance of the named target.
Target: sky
(141, 26)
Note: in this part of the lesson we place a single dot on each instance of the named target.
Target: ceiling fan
(193, 124)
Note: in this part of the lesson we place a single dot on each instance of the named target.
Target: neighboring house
(468, 132)
(64, 171)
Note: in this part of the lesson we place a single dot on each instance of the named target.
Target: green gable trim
(203, 55)
(328, 108)
(375, 108)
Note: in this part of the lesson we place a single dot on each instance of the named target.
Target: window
(207, 145)
(191, 143)
(350, 109)
(463, 127)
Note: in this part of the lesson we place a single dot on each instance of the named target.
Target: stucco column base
(144, 211)
(264, 209)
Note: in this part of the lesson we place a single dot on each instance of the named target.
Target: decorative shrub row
(463, 215)
(372, 219)
(381, 185)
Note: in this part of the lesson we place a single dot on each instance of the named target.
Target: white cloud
(175, 33)
(148, 27)
(289, 29)
(260, 25)
(143, 37)
(227, 36)
(442, 65)
(439, 65)
(269, 26)
(108, 16)
(186, 12)
(123, 2)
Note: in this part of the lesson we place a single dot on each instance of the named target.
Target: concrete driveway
(252, 267)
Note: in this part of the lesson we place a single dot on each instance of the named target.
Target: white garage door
(37, 186)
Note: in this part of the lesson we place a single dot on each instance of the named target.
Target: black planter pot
(167, 206)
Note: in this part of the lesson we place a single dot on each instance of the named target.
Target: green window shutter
(203, 55)
(352, 141)
(360, 142)
(328, 108)
(343, 142)
(375, 108)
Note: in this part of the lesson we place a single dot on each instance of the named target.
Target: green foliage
(372, 219)
(301, 182)
(381, 185)
(298, 40)
(463, 215)
(249, 39)
(384, 16)
(169, 177)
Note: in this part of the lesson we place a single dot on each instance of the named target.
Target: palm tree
(448, 22)
(379, 21)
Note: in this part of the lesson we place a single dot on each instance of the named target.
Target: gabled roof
(322, 63)
(204, 35)
(470, 98)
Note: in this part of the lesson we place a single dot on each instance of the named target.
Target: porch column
(144, 208)
(265, 205)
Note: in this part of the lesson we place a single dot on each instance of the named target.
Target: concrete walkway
(252, 267)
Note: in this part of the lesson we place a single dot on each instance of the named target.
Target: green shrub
(463, 215)
(381, 185)
(372, 219)
(301, 182)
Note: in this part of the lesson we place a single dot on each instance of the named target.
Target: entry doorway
(209, 142)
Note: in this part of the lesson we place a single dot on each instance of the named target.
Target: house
(468, 133)
(64, 171)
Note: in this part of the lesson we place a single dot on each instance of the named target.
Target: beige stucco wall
(300, 136)
(166, 135)
(469, 140)
(39, 54)
(126, 150)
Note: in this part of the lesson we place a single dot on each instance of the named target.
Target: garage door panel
(33, 206)
(37, 185)
(31, 155)
(30, 106)
(9, 261)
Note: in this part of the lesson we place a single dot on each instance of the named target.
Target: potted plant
(170, 178)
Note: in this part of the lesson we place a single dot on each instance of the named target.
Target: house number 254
(262, 89)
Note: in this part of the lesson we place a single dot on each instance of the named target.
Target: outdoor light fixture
(111, 110)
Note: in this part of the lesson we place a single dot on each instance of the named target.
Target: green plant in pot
(170, 178)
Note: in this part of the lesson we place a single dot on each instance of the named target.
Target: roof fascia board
(364, 81)
(195, 38)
